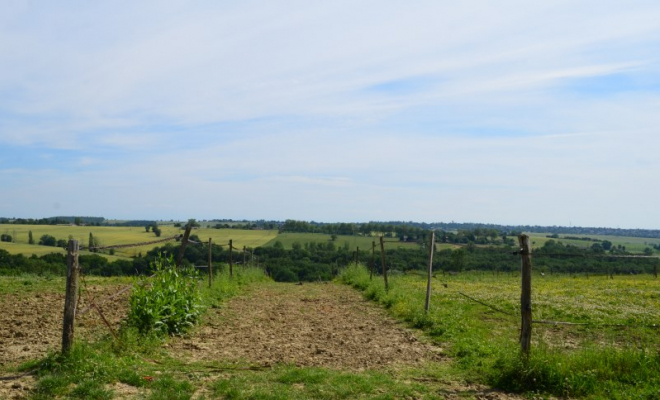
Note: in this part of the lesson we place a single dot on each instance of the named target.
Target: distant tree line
(92, 221)
(313, 261)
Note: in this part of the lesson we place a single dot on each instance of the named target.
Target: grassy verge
(611, 362)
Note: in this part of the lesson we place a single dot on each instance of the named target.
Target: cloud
(458, 111)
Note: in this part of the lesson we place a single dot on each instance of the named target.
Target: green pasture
(632, 244)
(476, 318)
(28, 250)
(110, 235)
(351, 241)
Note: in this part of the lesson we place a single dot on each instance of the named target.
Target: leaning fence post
(231, 258)
(373, 260)
(71, 299)
(382, 258)
(210, 264)
(525, 295)
(184, 243)
(430, 274)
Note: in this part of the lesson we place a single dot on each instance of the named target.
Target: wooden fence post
(184, 243)
(357, 256)
(210, 264)
(71, 299)
(373, 259)
(430, 274)
(244, 257)
(382, 258)
(525, 295)
(231, 258)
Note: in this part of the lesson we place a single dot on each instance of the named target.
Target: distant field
(632, 244)
(363, 242)
(110, 235)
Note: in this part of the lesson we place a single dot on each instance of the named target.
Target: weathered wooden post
(231, 258)
(184, 243)
(71, 299)
(430, 274)
(210, 264)
(525, 295)
(382, 258)
(373, 259)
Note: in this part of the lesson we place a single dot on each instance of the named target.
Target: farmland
(108, 236)
(349, 241)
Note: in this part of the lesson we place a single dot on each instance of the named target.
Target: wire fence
(525, 254)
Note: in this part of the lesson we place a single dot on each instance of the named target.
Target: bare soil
(326, 325)
(31, 326)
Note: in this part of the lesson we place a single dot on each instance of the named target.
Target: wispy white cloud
(370, 110)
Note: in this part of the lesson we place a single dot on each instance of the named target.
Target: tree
(93, 242)
(30, 238)
(458, 259)
(77, 221)
(5, 238)
(47, 240)
(333, 237)
(147, 228)
(157, 231)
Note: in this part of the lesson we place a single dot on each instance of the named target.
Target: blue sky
(510, 112)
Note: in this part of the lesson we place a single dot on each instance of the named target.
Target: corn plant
(168, 302)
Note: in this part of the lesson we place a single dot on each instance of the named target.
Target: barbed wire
(548, 322)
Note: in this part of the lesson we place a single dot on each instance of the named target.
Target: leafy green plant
(167, 303)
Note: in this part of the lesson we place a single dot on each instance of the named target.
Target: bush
(167, 303)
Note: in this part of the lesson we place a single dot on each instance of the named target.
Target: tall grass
(484, 344)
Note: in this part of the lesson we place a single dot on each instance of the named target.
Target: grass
(111, 235)
(589, 361)
(363, 242)
(632, 244)
(26, 285)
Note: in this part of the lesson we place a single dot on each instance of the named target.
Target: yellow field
(110, 235)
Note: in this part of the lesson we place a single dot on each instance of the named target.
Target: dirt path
(327, 325)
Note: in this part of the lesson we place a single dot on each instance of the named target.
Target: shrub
(167, 303)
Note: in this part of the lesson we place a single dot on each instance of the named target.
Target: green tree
(147, 228)
(30, 238)
(47, 240)
(458, 260)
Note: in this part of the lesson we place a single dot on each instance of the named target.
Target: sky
(508, 112)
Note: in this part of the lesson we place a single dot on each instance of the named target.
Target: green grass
(110, 235)
(632, 244)
(596, 361)
(27, 285)
(363, 242)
